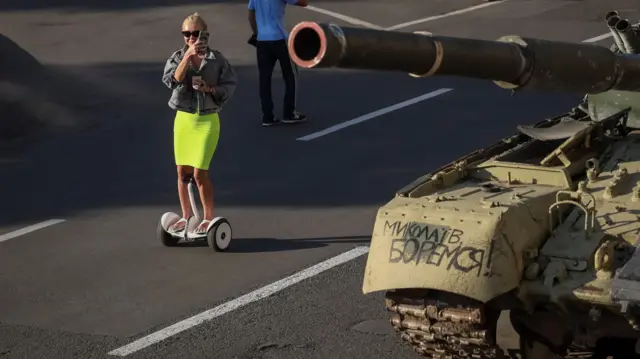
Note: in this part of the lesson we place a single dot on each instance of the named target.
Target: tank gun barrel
(511, 62)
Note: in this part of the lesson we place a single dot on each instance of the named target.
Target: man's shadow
(262, 245)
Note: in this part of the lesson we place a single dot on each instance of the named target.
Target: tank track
(437, 329)
(445, 326)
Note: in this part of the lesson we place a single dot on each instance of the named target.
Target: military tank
(543, 224)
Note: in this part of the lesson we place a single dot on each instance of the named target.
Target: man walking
(266, 18)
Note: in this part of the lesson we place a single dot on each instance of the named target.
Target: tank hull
(492, 232)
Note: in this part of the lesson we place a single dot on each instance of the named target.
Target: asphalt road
(99, 280)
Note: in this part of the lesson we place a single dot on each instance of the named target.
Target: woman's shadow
(261, 245)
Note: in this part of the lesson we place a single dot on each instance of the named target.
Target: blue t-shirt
(270, 18)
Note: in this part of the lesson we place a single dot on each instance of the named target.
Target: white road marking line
(25, 230)
(598, 38)
(239, 302)
(452, 13)
(374, 114)
(345, 18)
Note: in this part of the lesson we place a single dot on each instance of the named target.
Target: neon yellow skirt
(195, 138)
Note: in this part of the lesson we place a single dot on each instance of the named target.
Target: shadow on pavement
(107, 4)
(262, 245)
(126, 158)
(31, 97)
(15, 121)
(35, 97)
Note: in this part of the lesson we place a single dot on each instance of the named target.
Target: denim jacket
(215, 71)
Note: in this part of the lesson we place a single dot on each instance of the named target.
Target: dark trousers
(268, 53)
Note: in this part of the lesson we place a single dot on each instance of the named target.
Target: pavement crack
(272, 346)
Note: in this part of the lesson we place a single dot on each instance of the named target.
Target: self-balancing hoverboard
(218, 233)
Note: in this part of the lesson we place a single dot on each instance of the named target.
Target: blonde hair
(195, 17)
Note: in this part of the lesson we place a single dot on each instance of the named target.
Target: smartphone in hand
(196, 82)
(203, 39)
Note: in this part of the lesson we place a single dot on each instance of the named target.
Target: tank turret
(512, 62)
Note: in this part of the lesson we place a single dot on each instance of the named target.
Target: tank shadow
(16, 121)
(101, 5)
(106, 109)
(262, 245)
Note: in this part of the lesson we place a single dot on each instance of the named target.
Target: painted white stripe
(374, 114)
(238, 302)
(598, 38)
(25, 230)
(442, 16)
(345, 18)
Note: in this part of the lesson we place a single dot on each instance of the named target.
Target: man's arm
(252, 17)
(252, 21)
(301, 3)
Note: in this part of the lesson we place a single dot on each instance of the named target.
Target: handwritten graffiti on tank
(435, 245)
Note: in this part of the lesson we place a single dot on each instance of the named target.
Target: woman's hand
(195, 49)
(200, 85)
(192, 50)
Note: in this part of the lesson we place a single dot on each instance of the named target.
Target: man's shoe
(269, 122)
(296, 118)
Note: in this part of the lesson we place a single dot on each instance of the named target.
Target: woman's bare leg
(184, 174)
(205, 187)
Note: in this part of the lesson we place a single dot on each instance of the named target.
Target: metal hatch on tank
(542, 224)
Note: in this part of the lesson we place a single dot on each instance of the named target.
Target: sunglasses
(195, 33)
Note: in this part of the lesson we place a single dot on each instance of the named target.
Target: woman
(202, 81)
